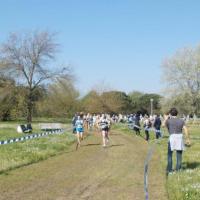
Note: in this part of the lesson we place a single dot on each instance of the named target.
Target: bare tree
(182, 75)
(26, 58)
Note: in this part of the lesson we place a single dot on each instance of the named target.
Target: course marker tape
(13, 140)
(146, 166)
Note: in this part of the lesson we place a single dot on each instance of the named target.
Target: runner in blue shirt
(79, 130)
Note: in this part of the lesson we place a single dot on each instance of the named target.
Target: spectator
(175, 128)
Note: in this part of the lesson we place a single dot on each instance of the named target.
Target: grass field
(183, 185)
(91, 172)
(23, 153)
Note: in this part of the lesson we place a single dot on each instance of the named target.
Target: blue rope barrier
(146, 167)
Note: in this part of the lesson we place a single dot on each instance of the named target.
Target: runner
(157, 124)
(94, 121)
(88, 121)
(97, 123)
(136, 126)
(74, 119)
(79, 131)
(84, 117)
(104, 124)
(147, 126)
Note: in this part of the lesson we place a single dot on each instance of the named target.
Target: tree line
(32, 84)
(61, 99)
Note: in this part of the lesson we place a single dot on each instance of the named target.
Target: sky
(116, 44)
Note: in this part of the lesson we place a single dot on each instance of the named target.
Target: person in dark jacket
(157, 124)
(136, 126)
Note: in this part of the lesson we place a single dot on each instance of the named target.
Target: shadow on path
(115, 145)
(85, 145)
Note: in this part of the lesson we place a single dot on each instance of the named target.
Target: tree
(7, 97)
(145, 105)
(106, 102)
(116, 102)
(141, 101)
(182, 102)
(91, 102)
(135, 101)
(182, 77)
(61, 99)
(26, 58)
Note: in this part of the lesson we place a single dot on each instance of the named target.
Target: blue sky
(120, 43)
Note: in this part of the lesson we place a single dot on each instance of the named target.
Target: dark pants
(147, 135)
(158, 134)
(137, 130)
(178, 159)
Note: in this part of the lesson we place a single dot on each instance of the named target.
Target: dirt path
(91, 173)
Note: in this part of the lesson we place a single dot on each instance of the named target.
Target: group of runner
(102, 122)
(86, 122)
(149, 123)
(175, 126)
(82, 122)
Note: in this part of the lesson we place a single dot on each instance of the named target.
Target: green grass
(183, 185)
(51, 120)
(41, 120)
(8, 130)
(125, 129)
(8, 133)
(23, 153)
(121, 127)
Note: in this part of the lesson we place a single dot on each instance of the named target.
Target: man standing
(175, 128)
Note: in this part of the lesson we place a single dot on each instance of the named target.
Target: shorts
(105, 129)
(136, 128)
(79, 130)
